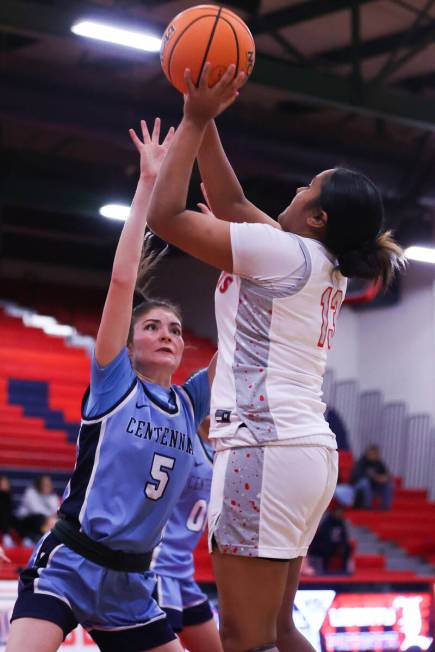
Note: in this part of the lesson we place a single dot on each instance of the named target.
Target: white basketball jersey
(276, 317)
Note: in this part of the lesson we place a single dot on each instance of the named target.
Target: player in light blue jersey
(135, 450)
(186, 606)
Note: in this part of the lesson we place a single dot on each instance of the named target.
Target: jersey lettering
(160, 466)
(197, 516)
(331, 303)
(224, 282)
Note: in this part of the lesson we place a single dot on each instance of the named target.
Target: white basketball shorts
(267, 501)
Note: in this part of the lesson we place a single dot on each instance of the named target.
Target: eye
(177, 331)
(150, 327)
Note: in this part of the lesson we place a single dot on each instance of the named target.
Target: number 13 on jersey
(331, 303)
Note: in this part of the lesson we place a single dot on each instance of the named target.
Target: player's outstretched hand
(203, 103)
(151, 151)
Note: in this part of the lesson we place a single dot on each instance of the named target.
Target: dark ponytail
(354, 230)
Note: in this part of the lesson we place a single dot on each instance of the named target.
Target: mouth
(164, 349)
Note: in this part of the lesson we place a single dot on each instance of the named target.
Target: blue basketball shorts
(116, 608)
(183, 602)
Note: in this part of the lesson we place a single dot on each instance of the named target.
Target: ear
(318, 220)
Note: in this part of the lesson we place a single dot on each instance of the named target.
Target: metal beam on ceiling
(300, 13)
(36, 18)
(300, 82)
(381, 45)
(332, 90)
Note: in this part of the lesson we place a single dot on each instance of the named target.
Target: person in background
(7, 519)
(37, 509)
(371, 479)
(331, 540)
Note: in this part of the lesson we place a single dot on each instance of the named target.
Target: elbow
(162, 223)
(153, 220)
(158, 222)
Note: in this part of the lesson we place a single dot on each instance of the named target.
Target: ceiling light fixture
(115, 211)
(102, 32)
(422, 254)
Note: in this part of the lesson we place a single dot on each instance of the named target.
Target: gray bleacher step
(425, 569)
(367, 548)
(360, 533)
(403, 563)
(396, 559)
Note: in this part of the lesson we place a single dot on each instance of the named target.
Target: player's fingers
(226, 78)
(189, 83)
(145, 132)
(169, 136)
(204, 193)
(203, 80)
(156, 131)
(240, 80)
(136, 141)
(204, 208)
(226, 103)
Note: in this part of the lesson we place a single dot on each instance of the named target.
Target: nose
(166, 335)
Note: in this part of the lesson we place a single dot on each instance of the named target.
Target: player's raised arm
(201, 235)
(225, 195)
(115, 320)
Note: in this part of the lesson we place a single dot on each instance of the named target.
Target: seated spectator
(331, 541)
(370, 479)
(7, 519)
(37, 509)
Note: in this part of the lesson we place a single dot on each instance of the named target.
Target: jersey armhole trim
(99, 417)
(206, 452)
(190, 402)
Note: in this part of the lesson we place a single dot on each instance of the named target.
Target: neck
(158, 377)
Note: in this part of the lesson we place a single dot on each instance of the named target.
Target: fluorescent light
(138, 40)
(422, 254)
(115, 211)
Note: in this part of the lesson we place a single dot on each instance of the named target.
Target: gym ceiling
(335, 81)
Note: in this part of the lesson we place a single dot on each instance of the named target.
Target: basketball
(206, 33)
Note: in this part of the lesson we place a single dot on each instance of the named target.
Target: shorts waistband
(68, 532)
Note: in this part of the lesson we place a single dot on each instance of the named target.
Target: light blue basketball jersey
(135, 451)
(174, 556)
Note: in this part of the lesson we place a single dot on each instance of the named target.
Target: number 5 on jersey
(159, 473)
(331, 303)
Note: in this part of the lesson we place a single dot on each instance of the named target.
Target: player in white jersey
(276, 307)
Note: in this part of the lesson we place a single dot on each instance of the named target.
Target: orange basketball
(206, 33)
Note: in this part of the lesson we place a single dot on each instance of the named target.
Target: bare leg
(251, 592)
(289, 638)
(202, 638)
(34, 635)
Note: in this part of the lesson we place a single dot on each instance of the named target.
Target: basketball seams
(207, 49)
(237, 44)
(176, 41)
(239, 20)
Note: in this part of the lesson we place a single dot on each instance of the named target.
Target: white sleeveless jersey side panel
(274, 334)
